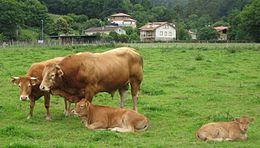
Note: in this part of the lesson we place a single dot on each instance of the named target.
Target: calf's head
(51, 76)
(25, 84)
(82, 108)
(243, 123)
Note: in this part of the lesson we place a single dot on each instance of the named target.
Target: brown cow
(97, 117)
(29, 86)
(225, 131)
(97, 72)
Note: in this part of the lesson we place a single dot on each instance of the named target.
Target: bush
(28, 35)
(199, 57)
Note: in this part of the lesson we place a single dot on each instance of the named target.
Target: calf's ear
(34, 81)
(59, 71)
(252, 119)
(236, 120)
(15, 80)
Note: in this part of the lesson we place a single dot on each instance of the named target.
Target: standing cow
(29, 86)
(97, 72)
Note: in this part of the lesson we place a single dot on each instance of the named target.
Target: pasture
(184, 87)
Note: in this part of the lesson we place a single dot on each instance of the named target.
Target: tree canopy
(73, 16)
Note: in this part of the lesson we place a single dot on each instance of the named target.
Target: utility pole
(42, 30)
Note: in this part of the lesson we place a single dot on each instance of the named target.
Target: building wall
(120, 31)
(165, 33)
(122, 23)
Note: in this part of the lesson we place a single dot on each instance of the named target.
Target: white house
(158, 31)
(122, 19)
(193, 35)
(104, 30)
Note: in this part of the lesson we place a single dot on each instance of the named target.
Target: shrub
(199, 57)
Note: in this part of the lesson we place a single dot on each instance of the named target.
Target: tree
(62, 26)
(34, 12)
(11, 18)
(250, 21)
(207, 33)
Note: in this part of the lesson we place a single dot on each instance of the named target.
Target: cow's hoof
(66, 113)
(48, 118)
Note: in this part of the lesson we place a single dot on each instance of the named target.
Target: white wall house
(158, 31)
(104, 30)
(122, 19)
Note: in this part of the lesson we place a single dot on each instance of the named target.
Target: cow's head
(82, 108)
(25, 84)
(244, 122)
(51, 76)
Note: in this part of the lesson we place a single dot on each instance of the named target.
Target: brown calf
(225, 131)
(115, 119)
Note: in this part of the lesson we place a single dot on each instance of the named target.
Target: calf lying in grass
(114, 119)
(225, 131)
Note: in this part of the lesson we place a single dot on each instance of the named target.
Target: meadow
(184, 87)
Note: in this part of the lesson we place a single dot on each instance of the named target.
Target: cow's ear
(87, 103)
(34, 81)
(15, 80)
(252, 119)
(59, 71)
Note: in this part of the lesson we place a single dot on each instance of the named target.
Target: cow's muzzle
(44, 88)
(24, 98)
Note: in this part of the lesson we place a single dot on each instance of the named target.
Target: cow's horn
(16, 78)
(57, 66)
(33, 78)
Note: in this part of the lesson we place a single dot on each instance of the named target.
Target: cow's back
(116, 66)
(36, 69)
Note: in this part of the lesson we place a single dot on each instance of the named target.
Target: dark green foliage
(207, 33)
(199, 57)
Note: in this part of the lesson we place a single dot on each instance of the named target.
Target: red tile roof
(220, 28)
(120, 14)
(150, 26)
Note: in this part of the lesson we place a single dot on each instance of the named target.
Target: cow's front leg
(32, 104)
(47, 105)
(66, 107)
(89, 94)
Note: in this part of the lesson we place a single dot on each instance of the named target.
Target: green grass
(184, 87)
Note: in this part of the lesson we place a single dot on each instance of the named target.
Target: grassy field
(184, 87)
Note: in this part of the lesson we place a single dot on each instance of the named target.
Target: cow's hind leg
(135, 87)
(47, 105)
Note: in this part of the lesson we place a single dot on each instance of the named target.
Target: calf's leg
(95, 126)
(122, 130)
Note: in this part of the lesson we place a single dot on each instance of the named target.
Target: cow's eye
(81, 106)
(29, 85)
(19, 85)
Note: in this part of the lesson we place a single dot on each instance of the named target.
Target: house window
(165, 33)
(170, 33)
(161, 33)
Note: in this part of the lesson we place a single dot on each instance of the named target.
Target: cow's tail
(142, 61)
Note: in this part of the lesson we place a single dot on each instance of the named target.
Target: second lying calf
(114, 119)
(225, 131)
